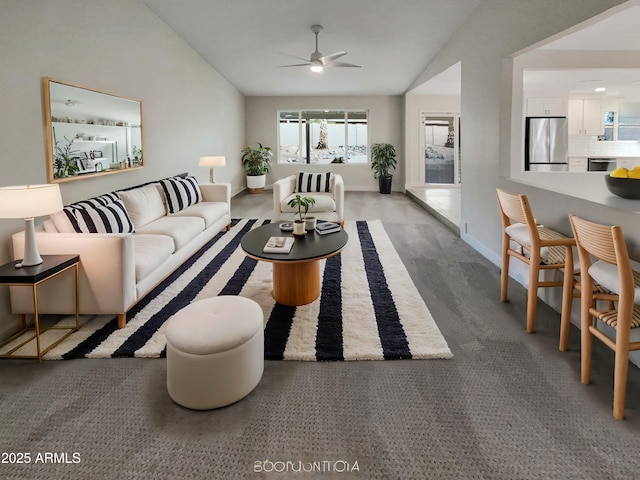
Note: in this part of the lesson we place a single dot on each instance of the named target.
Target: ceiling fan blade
(317, 60)
(296, 65)
(342, 64)
(296, 57)
(333, 56)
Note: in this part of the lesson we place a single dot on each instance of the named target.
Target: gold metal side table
(52, 266)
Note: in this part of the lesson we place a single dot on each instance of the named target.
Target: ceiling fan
(318, 61)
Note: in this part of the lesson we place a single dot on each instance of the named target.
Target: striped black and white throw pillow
(96, 202)
(180, 192)
(314, 182)
(110, 218)
(66, 221)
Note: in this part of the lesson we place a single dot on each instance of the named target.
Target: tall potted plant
(256, 162)
(383, 158)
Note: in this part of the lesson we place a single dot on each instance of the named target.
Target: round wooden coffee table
(296, 275)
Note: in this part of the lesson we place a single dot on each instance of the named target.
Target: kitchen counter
(589, 186)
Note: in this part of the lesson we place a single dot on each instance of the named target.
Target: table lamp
(212, 162)
(29, 201)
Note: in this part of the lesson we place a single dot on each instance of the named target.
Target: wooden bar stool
(613, 270)
(541, 249)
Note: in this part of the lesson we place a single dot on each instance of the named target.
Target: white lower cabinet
(577, 164)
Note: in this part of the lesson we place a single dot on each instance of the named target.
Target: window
(624, 124)
(629, 121)
(323, 136)
(609, 125)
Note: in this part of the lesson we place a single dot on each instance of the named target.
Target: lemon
(620, 173)
(637, 167)
(635, 173)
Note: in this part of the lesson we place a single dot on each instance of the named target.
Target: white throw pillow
(144, 204)
(62, 222)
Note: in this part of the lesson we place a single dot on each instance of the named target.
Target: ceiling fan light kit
(317, 62)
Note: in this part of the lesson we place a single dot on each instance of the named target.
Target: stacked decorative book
(324, 228)
(278, 245)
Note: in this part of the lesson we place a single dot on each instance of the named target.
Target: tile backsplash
(586, 146)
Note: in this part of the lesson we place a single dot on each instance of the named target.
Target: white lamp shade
(29, 201)
(212, 161)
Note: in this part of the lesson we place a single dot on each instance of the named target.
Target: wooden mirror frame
(98, 133)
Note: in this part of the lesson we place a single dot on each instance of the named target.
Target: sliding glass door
(440, 147)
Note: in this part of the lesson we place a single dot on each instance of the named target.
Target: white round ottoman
(215, 352)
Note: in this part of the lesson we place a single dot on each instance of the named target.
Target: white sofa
(329, 204)
(118, 269)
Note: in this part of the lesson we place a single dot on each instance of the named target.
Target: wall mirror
(89, 133)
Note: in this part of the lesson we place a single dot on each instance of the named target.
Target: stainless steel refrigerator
(546, 144)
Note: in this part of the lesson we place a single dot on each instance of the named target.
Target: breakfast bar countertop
(589, 186)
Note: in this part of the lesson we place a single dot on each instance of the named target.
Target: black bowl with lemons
(624, 183)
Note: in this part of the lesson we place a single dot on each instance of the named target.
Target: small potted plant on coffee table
(302, 203)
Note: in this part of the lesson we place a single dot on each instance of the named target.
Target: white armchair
(329, 205)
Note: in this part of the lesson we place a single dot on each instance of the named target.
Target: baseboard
(350, 189)
(245, 189)
(367, 189)
(482, 249)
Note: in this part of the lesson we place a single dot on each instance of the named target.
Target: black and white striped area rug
(369, 308)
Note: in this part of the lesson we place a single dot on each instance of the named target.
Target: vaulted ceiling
(247, 40)
(613, 31)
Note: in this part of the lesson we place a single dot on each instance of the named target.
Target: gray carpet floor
(508, 405)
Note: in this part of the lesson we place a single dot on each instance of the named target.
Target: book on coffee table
(324, 228)
(278, 245)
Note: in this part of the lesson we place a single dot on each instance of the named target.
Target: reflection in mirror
(89, 133)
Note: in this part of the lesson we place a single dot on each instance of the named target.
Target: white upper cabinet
(546, 107)
(585, 116)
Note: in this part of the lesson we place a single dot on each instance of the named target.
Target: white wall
(120, 47)
(415, 104)
(385, 126)
(484, 44)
